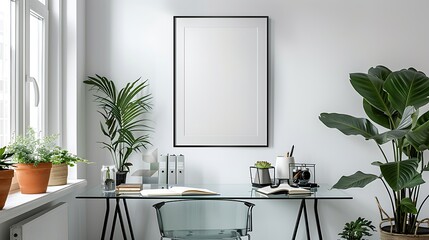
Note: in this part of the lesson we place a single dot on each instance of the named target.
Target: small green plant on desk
(356, 230)
(262, 164)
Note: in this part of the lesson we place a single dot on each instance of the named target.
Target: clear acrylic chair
(204, 219)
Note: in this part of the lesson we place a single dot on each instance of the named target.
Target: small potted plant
(262, 176)
(6, 175)
(356, 230)
(61, 159)
(32, 159)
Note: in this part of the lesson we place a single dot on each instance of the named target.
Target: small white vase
(282, 167)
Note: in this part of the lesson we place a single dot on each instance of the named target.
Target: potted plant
(356, 230)
(393, 100)
(32, 158)
(61, 159)
(6, 175)
(262, 176)
(123, 119)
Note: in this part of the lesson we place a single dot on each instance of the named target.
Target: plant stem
(384, 155)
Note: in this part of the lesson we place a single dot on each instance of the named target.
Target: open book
(177, 191)
(284, 188)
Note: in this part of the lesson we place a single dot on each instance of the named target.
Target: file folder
(171, 165)
(180, 170)
(162, 171)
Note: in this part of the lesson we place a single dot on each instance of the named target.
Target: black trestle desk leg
(114, 222)
(128, 219)
(316, 214)
(307, 229)
(124, 234)
(106, 219)
(298, 219)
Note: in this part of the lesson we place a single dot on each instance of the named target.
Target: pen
(291, 151)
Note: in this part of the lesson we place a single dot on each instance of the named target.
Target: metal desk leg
(298, 219)
(118, 211)
(128, 219)
(306, 220)
(106, 219)
(316, 215)
(114, 221)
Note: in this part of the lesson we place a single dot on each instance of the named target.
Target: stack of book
(129, 188)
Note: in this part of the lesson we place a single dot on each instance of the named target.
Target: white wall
(314, 45)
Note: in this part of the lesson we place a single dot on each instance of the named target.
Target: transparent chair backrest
(204, 217)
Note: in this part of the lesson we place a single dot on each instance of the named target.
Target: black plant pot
(121, 177)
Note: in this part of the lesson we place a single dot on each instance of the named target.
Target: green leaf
(424, 118)
(371, 89)
(357, 180)
(385, 137)
(407, 206)
(379, 71)
(419, 137)
(407, 119)
(377, 163)
(407, 88)
(401, 174)
(349, 125)
(376, 115)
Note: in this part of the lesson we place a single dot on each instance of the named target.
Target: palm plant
(392, 100)
(122, 112)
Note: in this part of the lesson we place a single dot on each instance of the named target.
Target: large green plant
(392, 100)
(123, 113)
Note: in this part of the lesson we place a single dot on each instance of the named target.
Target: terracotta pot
(58, 175)
(385, 234)
(33, 179)
(5, 182)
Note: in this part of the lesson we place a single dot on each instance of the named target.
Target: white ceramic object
(282, 167)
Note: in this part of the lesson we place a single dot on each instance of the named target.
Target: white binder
(171, 176)
(162, 171)
(180, 170)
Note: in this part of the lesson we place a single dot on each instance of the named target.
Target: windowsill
(18, 203)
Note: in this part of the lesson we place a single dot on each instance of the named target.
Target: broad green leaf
(379, 71)
(401, 174)
(389, 135)
(371, 89)
(349, 125)
(407, 119)
(407, 206)
(407, 88)
(357, 180)
(419, 137)
(424, 118)
(376, 115)
(377, 163)
(417, 180)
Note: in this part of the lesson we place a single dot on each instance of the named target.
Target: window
(35, 62)
(5, 73)
(23, 67)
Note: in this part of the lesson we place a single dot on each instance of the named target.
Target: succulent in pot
(395, 101)
(262, 177)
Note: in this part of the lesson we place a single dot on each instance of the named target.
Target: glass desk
(226, 191)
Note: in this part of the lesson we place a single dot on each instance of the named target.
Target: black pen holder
(261, 177)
